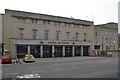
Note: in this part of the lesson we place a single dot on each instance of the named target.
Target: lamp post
(2, 49)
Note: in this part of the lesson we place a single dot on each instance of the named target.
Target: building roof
(52, 17)
(108, 25)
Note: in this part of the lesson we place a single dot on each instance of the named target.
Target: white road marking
(36, 71)
(11, 73)
(29, 76)
(110, 60)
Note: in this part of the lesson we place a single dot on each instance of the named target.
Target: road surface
(65, 67)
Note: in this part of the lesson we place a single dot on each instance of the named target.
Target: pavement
(65, 67)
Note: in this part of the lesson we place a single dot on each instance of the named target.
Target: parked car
(6, 59)
(29, 58)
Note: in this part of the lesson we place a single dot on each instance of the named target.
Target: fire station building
(46, 35)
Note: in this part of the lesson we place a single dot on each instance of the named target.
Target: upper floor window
(46, 22)
(65, 24)
(107, 47)
(34, 33)
(85, 36)
(57, 35)
(106, 40)
(114, 35)
(110, 40)
(114, 47)
(35, 21)
(46, 33)
(102, 40)
(102, 33)
(57, 23)
(78, 26)
(68, 24)
(68, 35)
(106, 34)
(21, 33)
(77, 36)
(21, 19)
(75, 25)
(110, 34)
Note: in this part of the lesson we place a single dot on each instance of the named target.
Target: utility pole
(93, 18)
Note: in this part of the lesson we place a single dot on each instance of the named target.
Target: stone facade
(53, 36)
(107, 36)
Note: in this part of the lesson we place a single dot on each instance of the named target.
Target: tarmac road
(65, 67)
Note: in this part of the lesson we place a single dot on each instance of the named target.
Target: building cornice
(52, 17)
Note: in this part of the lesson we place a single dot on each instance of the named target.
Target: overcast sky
(99, 11)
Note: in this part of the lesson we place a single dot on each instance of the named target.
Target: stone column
(53, 51)
(13, 50)
(41, 51)
(28, 49)
(63, 51)
(73, 50)
(81, 50)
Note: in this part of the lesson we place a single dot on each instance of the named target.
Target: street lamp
(2, 49)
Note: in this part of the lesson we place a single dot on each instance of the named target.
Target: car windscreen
(28, 55)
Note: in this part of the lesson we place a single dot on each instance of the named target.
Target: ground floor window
(68, 51)
(47, 51)
(21, 50)
(77, 50)
(86, 50)
(58, 51)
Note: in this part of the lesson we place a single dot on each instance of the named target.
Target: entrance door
(58, 51)
(68, 51)
(77, 51)
(47, 51)
(86, 50)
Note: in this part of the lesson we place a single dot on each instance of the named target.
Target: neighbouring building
(107, 36)
(119, 24)
(119, 41)
(54, 36)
